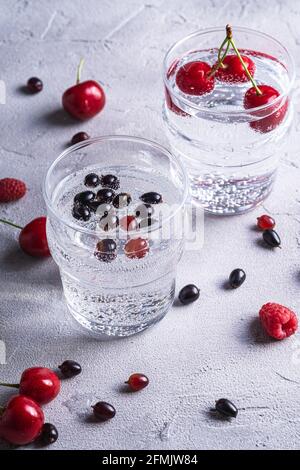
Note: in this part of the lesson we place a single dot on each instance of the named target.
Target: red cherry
(265, 222)
(270, 117)
(136, 248)
(137, 382)
(234, 72)
(128, 222)
(192, 78)
(22, 421)
(84, 100)
(33, 238)
(40, 384)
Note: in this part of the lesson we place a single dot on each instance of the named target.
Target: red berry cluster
(22, 420)
(198, 78)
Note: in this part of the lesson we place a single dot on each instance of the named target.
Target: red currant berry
(137, 382)
(272, 116)
(21, 421)
(233, 70)
(136, 248)
(33, 238)
(193, 78)
(128, 223)
(265, 222)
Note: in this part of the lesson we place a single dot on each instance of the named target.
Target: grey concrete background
(197, 354)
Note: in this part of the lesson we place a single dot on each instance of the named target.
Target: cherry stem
(79, 70)
(11, 224)
(10, 385)
(232, 43)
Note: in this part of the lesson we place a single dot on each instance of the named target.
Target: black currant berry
(70, 368)
(106, 250)
(109, 222)
(189, 294)
(144, 211)
(79, 137)
(105, 195)
(226, 408)
(151, 198)
(103, 411)
(236, 278)
(84, 198)
(271, 238)
(92, 180)
(110, 181)
(100, 208)
(34, 85)
(81, 212)
(49, 434)
(122, 200)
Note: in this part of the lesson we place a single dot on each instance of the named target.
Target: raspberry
(11, 189)
(278, 321)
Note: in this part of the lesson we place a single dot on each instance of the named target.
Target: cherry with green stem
(33, 237)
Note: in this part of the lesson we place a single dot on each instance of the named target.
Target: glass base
(118, 331)
(230, 196)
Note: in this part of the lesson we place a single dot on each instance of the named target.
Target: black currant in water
(105, 195)
(81, 212)
(122, 200)
(151, 198)
(34, 85)
(84, 197)
(106, 250)
(226, 408)
(110, 181)
(189, 294)
(80, 137)
(103, 411)
(236, 278)
(70, 368)
(92, 180)
(144, 211)
(49, 434)
(109, 222)
(271, 238)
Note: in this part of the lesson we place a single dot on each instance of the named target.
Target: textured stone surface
(197, 354)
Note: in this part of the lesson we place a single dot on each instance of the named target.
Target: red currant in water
(233, 70)
(270, 117)
(137, 382)
(265, 222)
(21, 421)
(193, 78)
(136, 248)
(128, 223)
(84, 100)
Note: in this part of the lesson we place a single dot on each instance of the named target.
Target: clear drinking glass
(231, 153)
(126, 294)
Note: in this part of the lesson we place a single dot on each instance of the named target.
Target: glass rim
(204, 31)
(107, 138)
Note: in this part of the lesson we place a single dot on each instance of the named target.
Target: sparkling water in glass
(231, 164)
(126, 294)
